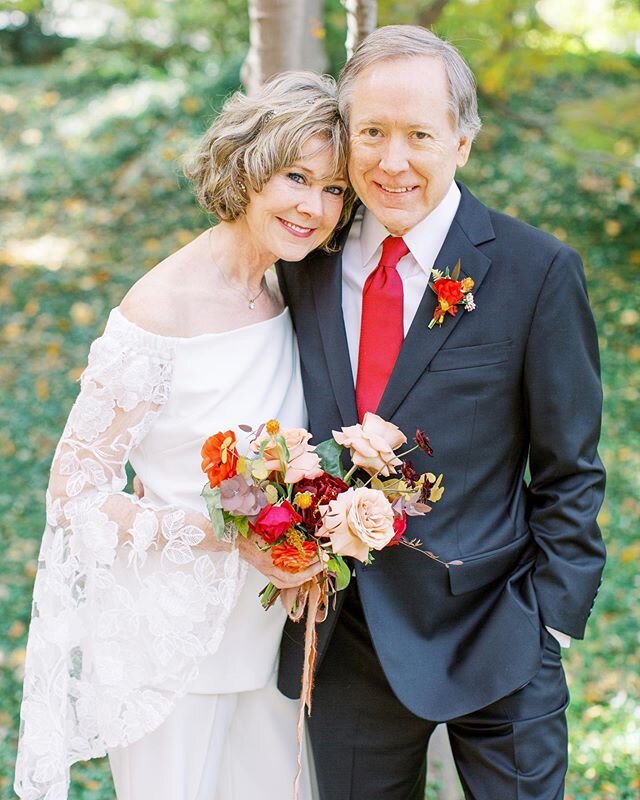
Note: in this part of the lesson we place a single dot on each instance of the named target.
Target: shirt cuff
(563, 639)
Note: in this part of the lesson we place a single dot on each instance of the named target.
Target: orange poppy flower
(220, 457)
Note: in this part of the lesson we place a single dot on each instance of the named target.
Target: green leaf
(456, 271)
(212, 498)
(341, 570)
(240, 523)
(214, 506)
(285, 450)
(217, 520)
(329, 453)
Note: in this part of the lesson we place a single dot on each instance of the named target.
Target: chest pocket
(479, 355)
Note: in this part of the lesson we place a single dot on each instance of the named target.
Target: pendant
(252, 304)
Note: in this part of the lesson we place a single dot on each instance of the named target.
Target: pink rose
(372, 444)
(303, 461)
(273, 521)
(356, 521)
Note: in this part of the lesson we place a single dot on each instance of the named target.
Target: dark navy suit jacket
(510, 395)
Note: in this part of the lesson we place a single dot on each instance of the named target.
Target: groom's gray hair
(408, 41)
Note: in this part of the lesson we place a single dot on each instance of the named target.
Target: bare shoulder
(158, 302)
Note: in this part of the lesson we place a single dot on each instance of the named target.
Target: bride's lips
(297, 230)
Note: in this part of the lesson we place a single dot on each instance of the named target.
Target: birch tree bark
(312, 53)
(361, 20)
(284, 34)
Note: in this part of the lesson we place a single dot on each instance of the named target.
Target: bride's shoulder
(157, 302)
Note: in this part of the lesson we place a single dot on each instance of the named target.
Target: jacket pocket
(479, 355)
(480, 570)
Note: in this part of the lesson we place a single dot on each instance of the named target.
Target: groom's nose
(395, 155)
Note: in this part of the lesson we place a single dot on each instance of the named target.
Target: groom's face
(404, 146)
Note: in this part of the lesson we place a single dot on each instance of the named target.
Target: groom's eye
(421, 135)
(372, 132)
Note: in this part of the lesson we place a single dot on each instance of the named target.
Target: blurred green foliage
(91, 196)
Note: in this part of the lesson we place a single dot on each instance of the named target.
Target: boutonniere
(451, 293)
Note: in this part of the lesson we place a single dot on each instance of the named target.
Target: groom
(510, 395)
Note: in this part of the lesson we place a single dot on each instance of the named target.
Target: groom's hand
(262, 561)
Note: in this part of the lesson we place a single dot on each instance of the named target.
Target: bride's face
(298, 207)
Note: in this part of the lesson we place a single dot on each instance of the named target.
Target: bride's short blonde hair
(255, 136)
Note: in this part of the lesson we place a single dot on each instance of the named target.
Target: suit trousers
(369, 746)
(236, 746)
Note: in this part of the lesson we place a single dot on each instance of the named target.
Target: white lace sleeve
(128, 597)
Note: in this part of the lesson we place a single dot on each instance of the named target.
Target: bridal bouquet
(302, 505)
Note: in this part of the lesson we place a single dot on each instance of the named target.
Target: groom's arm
(564, 404)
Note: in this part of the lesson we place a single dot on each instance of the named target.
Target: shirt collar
(422, 239)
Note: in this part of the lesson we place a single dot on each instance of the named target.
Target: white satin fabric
(130, 604)
(237, 746)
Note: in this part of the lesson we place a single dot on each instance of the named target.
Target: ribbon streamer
(313, 598)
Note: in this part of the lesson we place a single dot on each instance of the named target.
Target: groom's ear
(464, 148)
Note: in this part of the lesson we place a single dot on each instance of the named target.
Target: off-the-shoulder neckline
(120, 316)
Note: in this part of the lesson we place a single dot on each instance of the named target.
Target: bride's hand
(261, 560)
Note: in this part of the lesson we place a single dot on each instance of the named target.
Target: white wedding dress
(131, 611)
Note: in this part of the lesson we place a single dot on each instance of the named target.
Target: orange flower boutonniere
(451, 292)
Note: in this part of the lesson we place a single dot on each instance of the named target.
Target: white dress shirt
(362, 253)
(360, 257)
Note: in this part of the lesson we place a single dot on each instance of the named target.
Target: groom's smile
(404, 145)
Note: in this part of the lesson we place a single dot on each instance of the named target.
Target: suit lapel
(326, 282)
(471, 226)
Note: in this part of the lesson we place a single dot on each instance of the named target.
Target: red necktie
(382, 327)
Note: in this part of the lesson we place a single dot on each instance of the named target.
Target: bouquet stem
(269, 595)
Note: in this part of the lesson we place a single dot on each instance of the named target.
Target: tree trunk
(432, 14)
(361, 20)
(312, 53)
(283, 34)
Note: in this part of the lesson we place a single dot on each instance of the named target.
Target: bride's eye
(296, 177)
(336, 190)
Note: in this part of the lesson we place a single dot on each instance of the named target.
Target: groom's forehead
(399, 74)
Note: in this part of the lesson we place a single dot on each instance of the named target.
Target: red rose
(293, 558)
(448, 290)
(322, 490)
(273, 521)
(399, 526)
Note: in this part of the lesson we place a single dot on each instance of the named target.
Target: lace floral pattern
(128, 597)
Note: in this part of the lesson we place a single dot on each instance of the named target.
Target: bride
(147, 640)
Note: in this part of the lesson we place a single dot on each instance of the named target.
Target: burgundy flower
(322, 490)
(422, 440)
(425, 491)
(409, 474)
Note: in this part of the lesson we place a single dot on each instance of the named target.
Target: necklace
(251, 301)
